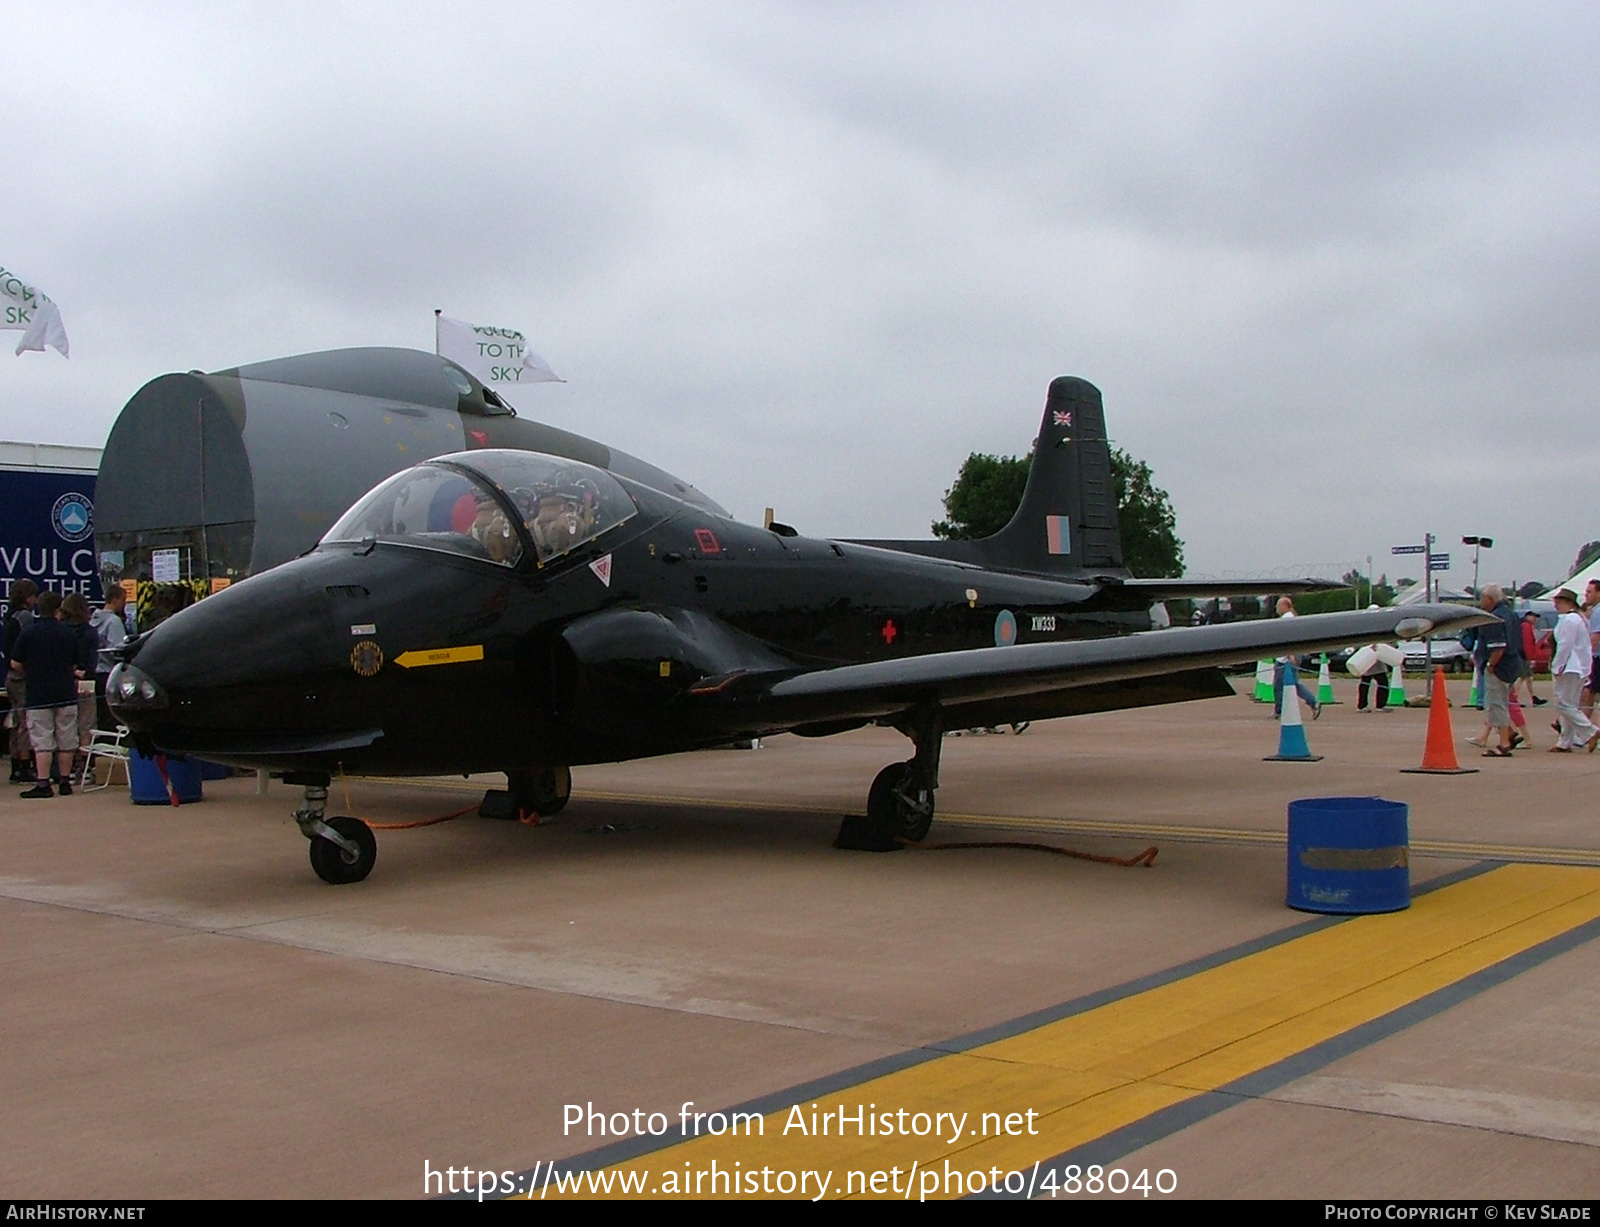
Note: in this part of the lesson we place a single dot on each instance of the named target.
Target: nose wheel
(343, 850)
(338, 864)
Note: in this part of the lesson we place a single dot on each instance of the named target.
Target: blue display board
(47, 532)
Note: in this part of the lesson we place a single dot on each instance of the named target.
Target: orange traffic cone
(1439, 756)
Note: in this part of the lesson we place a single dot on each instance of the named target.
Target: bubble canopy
(450, 504)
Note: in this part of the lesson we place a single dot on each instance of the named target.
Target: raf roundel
(366, 658)
(72, 517)
(1005, 629)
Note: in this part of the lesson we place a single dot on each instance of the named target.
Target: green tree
(984, 498)
(1358, 594)
(988, 490)
(1586, 556)
(1150, 544)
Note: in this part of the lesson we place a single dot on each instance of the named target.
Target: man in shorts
(1501, 645)
(52, 660)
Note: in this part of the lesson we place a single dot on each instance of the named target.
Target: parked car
(1447, 650)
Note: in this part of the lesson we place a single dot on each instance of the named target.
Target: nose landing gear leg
(343, 849)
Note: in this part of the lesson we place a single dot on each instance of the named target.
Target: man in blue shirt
(52, 659)
(1500, 649)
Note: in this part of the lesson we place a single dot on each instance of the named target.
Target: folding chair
(103, 744)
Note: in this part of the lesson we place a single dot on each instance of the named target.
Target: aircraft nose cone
(131, 692)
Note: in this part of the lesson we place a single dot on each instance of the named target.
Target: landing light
(130, 688)
(1413, 628)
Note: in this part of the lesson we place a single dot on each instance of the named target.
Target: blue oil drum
(1349, 855)
(146, 787)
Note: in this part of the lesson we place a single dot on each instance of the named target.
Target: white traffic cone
(1292, 745)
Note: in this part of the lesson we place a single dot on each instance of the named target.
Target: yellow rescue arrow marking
(439, 656)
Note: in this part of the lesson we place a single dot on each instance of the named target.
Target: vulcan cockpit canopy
(494, 504)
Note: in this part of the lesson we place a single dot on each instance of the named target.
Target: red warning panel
(707, 541)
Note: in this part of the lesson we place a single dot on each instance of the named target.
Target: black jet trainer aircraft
(503, 610)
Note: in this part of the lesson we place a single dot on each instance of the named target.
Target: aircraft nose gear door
(900, 801)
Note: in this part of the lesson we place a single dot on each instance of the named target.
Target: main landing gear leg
(342, 849)
(900, 802)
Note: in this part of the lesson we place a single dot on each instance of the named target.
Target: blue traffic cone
(1292, 747)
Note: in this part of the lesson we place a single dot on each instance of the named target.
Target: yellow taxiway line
(1063, 1084)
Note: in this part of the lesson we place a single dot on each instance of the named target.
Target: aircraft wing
(980, 675)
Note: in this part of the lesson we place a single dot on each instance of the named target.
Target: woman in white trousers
(1569, 669)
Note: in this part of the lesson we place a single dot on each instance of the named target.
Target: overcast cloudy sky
(1336, 268)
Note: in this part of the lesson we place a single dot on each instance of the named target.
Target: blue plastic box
(1349, 855)
(145, 784)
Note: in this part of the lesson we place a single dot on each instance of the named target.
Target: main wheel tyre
(551, 789)
(336, 866)
(890, 812)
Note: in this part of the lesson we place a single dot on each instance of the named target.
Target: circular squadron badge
(366, 658)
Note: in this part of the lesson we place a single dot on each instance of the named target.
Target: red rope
(426, 822)
(1146, 858)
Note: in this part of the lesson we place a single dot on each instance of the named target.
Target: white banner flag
(494, 355)
(23, 309)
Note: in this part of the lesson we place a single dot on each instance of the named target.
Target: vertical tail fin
(1067, 520)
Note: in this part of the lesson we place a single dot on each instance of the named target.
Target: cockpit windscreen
(561, 504)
